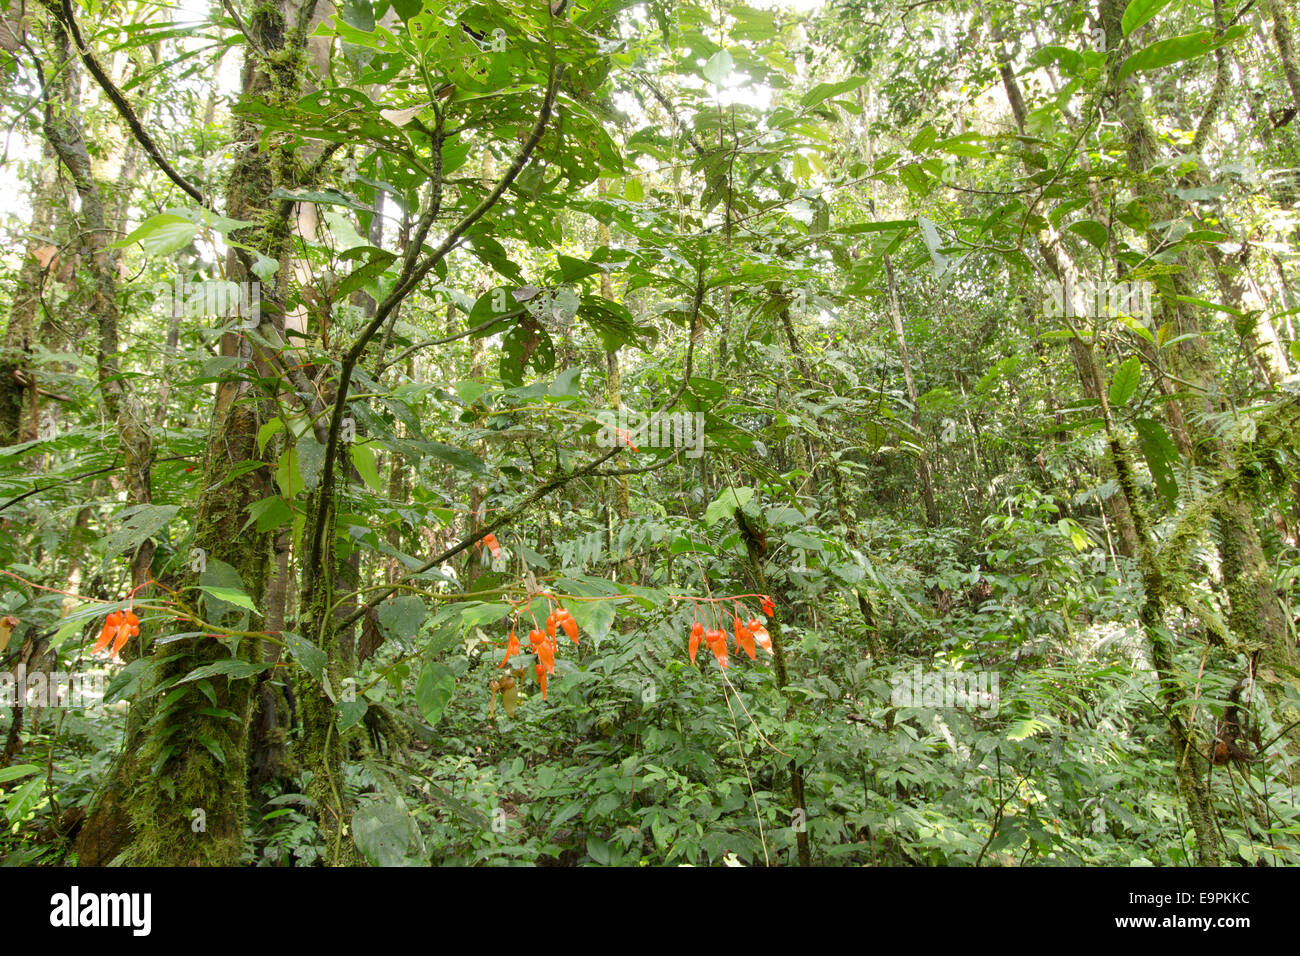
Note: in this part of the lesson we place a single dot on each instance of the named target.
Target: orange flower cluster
(749, 635)
(118, 629)
(543, 643)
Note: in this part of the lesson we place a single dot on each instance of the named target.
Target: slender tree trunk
(923, 461)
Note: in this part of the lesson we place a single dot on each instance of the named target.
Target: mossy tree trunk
(186, 777)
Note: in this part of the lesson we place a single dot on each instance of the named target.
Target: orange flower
(541, 679)
(550, 625)
(744, 637)
(129, 629)
(544, 648)
(512, 648)
(118, 629)
(490, 542)
(716, 638)
(111, 624)
(760, 634)
(568, 623)
(697, 631)
(769, 608)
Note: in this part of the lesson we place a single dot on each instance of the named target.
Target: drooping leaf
(1161, 454)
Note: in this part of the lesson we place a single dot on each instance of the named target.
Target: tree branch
(413, 272)
(63, 13)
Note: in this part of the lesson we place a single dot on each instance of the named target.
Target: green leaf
(594, 617)
(269, 513)
(1027, 727)
(214, 748)
(726, 503)
(137, 525)
(719, 67)
(456, 457)
(218, 580)
(566, 384)
(797, 539)
(1070, 60)
(401, 618)
(1091, 230)
(20, 770)
(233, 669)
(161, 234)
(229, 596)
(1175, 49)
(307, 654)
(1161, 453)
(310, 455)
(128, 681)
(384, 832)
(1125, 382)
(363, 460)
(350, 712)
(433, 691)
(24, 800)
(824, 91)
(265, 433)
(1139, 12)
(598, 850)
(287, 475)
(472, 615)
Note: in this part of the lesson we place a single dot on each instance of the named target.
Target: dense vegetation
(898, 399)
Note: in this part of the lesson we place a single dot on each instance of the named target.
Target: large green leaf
(1125, 382)
(726, 503)
(433, 691)
(385, 833)
(719, 67)
(1139, 12)
(223, 590)
(311, 657)
(1175, 49)
(594, 617)
(233, 669)
(137, 525)
(161, 234)
(401, 618)
(1161, 453)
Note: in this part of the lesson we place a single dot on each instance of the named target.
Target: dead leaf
(45, 254)
(402, 117)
